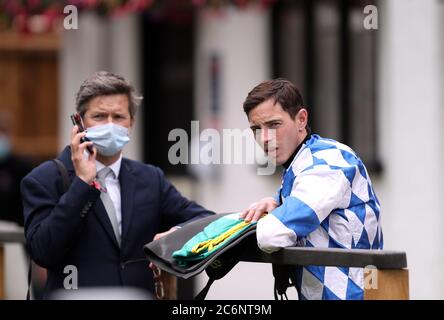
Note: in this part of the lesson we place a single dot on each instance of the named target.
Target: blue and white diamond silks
(326, 201)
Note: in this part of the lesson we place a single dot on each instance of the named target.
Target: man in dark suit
(113, 205)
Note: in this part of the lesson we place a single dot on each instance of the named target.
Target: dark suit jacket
(74, 229)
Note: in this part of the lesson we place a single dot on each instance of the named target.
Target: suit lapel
(127, 190)
(102, 216)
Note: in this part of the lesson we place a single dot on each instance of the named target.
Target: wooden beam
(390, 285)
(169, 285)
(20, 42)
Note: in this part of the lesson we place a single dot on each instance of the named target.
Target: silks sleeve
(315, 193)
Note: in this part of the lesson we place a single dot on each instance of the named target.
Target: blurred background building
(377, 89)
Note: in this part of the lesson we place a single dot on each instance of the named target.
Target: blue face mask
(109, 139)
(5, 147)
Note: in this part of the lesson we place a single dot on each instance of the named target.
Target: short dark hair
(103, 83)
(280, 90)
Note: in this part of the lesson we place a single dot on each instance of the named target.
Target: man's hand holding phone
(85, 167)
(77, 121)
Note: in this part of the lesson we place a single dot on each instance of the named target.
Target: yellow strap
(212, 243)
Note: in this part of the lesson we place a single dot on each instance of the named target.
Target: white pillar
(241, 40)
(411, 135)
(98, 44)
(83, 51)
(124, 41)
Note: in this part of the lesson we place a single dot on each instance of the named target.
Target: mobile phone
(77, 121)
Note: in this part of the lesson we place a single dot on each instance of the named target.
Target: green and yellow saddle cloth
(212, 238)
(215, 244)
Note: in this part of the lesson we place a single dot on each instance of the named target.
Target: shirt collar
(288, 163)
(115, 167)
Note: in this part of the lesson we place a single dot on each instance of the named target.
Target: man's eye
(98, 116)
(274, 124)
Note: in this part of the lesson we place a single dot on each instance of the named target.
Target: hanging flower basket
(33, 16)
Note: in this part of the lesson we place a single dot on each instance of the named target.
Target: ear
(302, 118)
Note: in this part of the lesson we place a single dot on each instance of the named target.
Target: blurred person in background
(113, 206)
(326, 199)
(12, 170)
